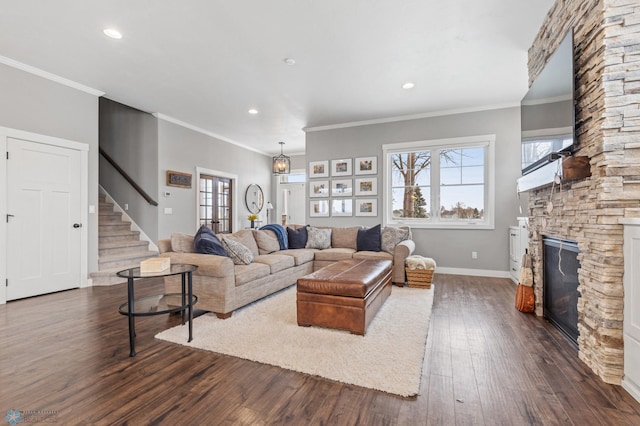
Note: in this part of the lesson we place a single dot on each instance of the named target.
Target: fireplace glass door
(561, 285)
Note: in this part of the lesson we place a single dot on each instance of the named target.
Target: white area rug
(388, 358)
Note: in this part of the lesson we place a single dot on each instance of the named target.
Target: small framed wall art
(341, 188)
(342, 207)
(341, 167)
(319, 208)
(367, 186)
(319, 188)
(318, 169)
(366, 165)
(366, 207)
(179, 179)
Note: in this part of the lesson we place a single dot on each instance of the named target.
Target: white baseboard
(632, 388)
(473, 272)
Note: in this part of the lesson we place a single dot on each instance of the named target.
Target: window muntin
(455, 176)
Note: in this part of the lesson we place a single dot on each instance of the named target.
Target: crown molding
(49, 76)
(411, 117)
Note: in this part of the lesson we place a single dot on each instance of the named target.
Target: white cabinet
(631, 327)
(518, 244)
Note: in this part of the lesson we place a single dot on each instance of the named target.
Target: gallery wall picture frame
(318, 169)
(341, 167)
(341, 187)
(342, 207)
(319, 208)
(179, 179)
(366, 207)
(366, 186)
(319, 188)
(366, 165)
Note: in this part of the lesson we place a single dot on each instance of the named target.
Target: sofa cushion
(206, 242)
(334, 254)
(297, 237)
(373, 255)
(247, 273)
(276, 262)
(240, 254)
(267, 241)
(369, 239)
(344, 237)
(318, 238)
(300, 256)
(245, 237)
(390, 237)
(182, 243)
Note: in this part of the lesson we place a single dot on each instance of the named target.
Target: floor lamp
(269, 207)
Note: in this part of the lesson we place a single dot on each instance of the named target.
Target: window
(444, 183)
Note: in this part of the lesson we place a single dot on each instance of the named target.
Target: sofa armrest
(164, 245)
(209, 265)
(403, 250)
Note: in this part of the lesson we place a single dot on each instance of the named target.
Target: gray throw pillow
(239, 254)
(390, 237)
(318, 238)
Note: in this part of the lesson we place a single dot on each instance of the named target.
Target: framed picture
(319, 188)
(319, 208)
(341, 188)
(367, 186)
(366, 165)
(318, 169)
(366, 207)
(341, 167)
(343, 207)
(179, 179)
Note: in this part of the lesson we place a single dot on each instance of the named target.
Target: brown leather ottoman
(345, 295)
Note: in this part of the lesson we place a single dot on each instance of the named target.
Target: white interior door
(43, 218)
(294, 202)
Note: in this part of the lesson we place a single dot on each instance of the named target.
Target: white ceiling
(207, 62)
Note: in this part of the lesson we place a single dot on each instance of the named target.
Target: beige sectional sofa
(222, 286)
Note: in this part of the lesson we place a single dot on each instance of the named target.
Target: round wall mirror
(254, 198)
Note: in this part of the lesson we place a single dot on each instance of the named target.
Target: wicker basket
(419, 278)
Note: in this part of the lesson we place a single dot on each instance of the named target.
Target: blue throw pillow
(206, 242)
(368, 239)
(297, 238)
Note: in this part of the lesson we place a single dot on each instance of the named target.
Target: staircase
(118, 246)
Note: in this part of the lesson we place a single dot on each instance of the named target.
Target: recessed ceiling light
(289, 61)
(253, 111)
(110, 32)
(408, 85)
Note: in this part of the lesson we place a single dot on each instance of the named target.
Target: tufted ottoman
(345, 295)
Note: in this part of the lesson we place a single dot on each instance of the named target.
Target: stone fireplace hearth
(588, 211)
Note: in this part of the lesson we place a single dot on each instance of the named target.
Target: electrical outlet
(474, 254)
(126, 206)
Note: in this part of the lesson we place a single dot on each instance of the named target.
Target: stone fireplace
(588, 211)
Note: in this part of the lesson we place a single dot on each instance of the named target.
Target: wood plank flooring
(485, 364)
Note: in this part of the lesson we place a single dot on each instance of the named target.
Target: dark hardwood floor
(486, 363)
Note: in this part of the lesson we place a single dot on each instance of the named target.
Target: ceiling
(206, 63)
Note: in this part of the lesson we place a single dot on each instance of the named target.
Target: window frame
(435, 221)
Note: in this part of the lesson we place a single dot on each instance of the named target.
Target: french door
(215, 203)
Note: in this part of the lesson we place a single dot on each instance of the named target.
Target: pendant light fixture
(281, 163)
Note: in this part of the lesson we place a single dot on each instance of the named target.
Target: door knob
(77, 225)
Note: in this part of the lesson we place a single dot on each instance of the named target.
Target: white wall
(450, 248)
(38, 105)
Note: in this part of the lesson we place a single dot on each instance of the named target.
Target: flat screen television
(548, 111)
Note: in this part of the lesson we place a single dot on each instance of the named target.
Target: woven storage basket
(420, 278)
